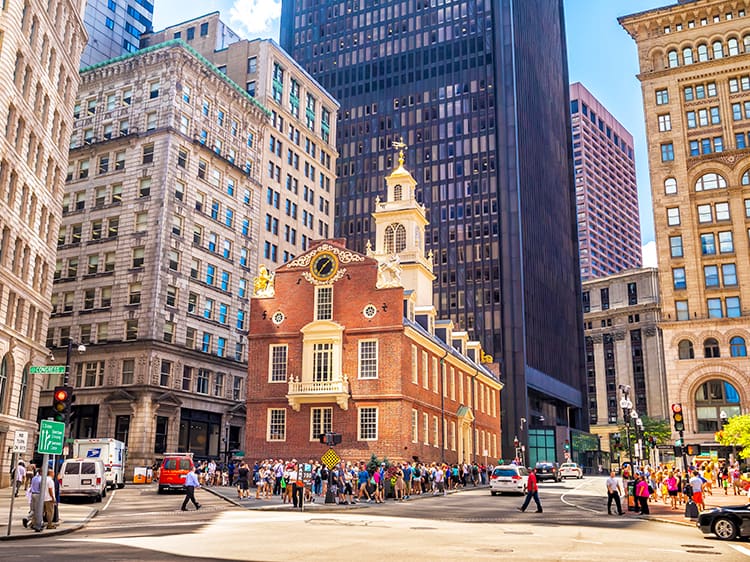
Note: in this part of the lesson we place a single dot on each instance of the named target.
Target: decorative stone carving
(389, 273)
(343, 255)
(263, 284)
(619, 336)
(649, 331)
(597, 338)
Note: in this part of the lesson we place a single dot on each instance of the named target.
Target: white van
(110, 451)
(83, 477)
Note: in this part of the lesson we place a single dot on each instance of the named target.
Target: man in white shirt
(49, 500)
(20, 476)
(696, 483)
(614, 488)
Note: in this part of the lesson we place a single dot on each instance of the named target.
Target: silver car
(509, 478)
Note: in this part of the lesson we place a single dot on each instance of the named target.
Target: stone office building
(695, 80)
(351, 343)
(624, 346)
(155, 253)
(40, 46)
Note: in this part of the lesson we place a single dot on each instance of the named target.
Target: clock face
(324, 266)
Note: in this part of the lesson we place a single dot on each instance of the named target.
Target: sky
(601, 55)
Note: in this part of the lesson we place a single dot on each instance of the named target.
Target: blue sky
(600, 55)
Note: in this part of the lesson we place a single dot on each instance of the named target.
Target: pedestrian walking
(614, 491)
(20, 476)
(191, 483)
(37, 522)
(532, 491)
(49, 499)
(642, 494)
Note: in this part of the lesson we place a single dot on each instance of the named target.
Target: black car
(547, 471)
(727, 523)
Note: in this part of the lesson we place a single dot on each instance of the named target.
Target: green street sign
(51, 436)
(47, 370)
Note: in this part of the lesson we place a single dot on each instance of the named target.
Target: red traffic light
(61, 395)
(676, 408)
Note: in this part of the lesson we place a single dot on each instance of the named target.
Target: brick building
(350, 343)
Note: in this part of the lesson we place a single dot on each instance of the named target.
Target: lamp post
(724, 418)
(638, 435)
(226, 443)
(627, 407)
(81, 349)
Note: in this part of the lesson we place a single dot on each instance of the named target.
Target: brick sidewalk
(663, 512)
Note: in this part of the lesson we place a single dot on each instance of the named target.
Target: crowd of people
(349, 482)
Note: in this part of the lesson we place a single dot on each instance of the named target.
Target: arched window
(746, 43)
(713, 398)
(710, 348)
(687, 55)
(23, 392)
(746, 178)
(670, 186)
(718, 49)
(397, 192)
(657, 61)
(685, 350)
(672, 59)
(733, 47)
(395, 238)
(6, 366)
(710, 181)
(702, 53)
(737, 347)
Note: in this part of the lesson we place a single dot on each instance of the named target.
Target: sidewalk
(275, 503)
(73, 516)
(660, 511)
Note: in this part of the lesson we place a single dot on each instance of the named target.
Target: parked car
(83, 477)
(727, 523)
(570, 470)
(547, 471)
(174, 469)
(509, 478)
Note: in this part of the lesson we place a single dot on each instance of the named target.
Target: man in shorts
(696, 482)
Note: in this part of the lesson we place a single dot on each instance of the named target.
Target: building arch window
(718, 49)
(745, 178)
(672, 59)
(685, 350)
(713, 398)
(737, 347)
(670, 186)
(702, 53)
(710, 181)
(23, 392)
(395, 238)
(6, 367)
(711, 348)
(746, 43)
(687, 55)
(733, 47)
(398, 192)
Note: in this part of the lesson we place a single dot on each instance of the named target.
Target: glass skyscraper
(478, 90)
(114, 28)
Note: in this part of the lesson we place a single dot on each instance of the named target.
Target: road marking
(109, 501)
(741, 549)
(562, 499)
(587, 542)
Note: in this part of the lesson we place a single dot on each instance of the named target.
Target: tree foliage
(652, 427)
(736, 433)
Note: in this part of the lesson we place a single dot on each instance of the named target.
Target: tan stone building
(40, 48)
(157, 252)
(299, 155)
(624, 346)
(695, 73)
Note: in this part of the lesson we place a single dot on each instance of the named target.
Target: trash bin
(630, 491)
(139, 475)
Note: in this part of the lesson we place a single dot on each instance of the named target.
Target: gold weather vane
(400, 145)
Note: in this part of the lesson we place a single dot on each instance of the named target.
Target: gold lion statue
(263, 283)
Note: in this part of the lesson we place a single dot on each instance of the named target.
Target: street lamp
(639, 436)
(724, 418)
(81, 349)
(627, 407)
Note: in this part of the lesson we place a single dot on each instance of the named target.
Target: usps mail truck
(110, 451)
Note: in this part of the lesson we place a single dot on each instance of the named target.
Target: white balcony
(318, 392)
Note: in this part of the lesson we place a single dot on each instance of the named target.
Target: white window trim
(268, 424)
(271, 348)
(359, 422)
(426, 426)
(359, 359)
(317, 303)
(414, 365)
(313, 436)
(414, 426)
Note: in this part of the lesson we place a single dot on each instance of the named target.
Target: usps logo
(94, 453)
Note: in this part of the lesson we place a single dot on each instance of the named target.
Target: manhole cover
(518, 533)
(495, 550)
(423, 528)
(696, 546)
(703, 552)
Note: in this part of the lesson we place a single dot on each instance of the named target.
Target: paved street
(138, 524)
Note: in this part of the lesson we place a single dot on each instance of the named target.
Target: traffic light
(62, 399)
(693, 450)
(677, 417)
(330, 438)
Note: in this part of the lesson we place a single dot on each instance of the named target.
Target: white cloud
(649, 254)
(255, 17)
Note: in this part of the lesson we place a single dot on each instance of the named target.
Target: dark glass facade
(478, 89)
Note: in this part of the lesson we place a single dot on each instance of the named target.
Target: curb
(52, 532)
(671, 521)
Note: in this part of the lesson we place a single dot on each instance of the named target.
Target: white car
(509, 478)
(570, 470)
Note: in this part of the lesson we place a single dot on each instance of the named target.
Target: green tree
(657, 428)
(736, 433)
